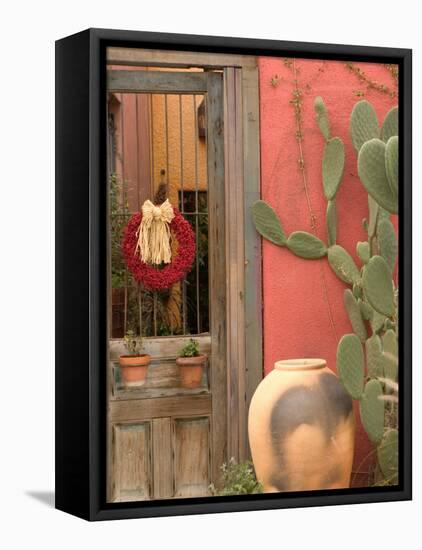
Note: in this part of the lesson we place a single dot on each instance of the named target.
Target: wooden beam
(156, 82)
(146, 409)
(217, 274)
(253, 258)
(235, 262)
(182, 59)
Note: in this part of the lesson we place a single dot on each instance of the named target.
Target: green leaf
(363, 124)
(388, 455)
(387, 243)
(343, 265)
(355, 316)
(332, 167)
(306, 245)
(378, 286)
(331, 222)
(322, 117)
(372, 172)
(372, 410)
(390, 126)
(350, 364)
(267, 223)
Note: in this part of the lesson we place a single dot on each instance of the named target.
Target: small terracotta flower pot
(191, 369)
(133, 369)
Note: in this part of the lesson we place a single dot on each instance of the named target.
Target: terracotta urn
(133, 369)
(301, 428)
(191, 369)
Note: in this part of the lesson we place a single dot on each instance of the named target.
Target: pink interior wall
(303, 312)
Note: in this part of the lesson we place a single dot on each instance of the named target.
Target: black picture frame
(81, 269)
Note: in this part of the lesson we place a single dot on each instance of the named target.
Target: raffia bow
(154, 235)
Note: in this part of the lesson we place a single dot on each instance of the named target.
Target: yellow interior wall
(180, 166)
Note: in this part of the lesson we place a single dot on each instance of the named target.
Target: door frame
(242, 243)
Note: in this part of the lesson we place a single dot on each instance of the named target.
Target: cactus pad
(322, 117)
(388, 455)
(306, 245)
(357, 291)
(373, 216)
(378, 286)
(343, 265)
(390, 126)
(355, 316)
(366, 310)
(350, 364)
(387, 243)
(332, 167)
(377, 320)
(267, 223)
(392, 163)
(331, 222)
(362, 249)
(374, 357)
(390, 352)
(372, 172)
(363, 124)
(372, 410)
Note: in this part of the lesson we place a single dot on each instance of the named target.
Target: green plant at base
(191, 349)
(367, 360)
(133, 343)
(237, 479)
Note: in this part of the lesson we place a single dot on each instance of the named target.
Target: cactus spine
(367, 359)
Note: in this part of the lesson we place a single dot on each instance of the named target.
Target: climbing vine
(373, 84)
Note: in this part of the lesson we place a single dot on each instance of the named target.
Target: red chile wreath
(152, 277)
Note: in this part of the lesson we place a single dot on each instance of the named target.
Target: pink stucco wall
(303, 312)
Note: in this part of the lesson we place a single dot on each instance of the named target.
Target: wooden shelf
(162, 381)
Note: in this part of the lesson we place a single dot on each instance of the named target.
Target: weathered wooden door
(165, 441)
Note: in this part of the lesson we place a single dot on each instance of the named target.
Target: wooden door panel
(162, 457)
(132, 461)
(191, 456)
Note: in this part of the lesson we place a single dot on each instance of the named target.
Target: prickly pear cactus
(267, 223)
(331, 223)
(355, 315)
(332, 167)
(306, 245)
(388, 454)
(378, 286)
(343, 264)
(367, 361)
(322, 118)
(363, 124)
(372, 410)
(350, 364)
(390, 126)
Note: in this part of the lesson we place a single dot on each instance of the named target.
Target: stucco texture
(303, 312)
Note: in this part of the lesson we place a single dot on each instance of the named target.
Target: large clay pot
(191, 369)
(301, 428)
(133, 369)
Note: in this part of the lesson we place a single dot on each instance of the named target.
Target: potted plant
(191, 364)
(134, 365)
